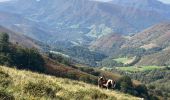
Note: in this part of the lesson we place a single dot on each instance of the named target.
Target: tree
(4, 42)
(124, 87)
(23, 58)
(125, 84)
(142, 90)
(4, 37)
(127, 80)
(5, 58)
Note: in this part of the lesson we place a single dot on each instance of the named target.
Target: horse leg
(107, 88)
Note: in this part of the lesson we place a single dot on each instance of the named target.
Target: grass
(139, 69)
(124, 60)
(25, 85)
(4, 95)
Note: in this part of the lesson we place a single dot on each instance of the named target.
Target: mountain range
(106, 27)
(80, 21)
(151, 44)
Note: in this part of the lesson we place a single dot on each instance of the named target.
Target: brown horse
(101, 81)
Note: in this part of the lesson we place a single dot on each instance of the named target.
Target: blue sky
(165, 1)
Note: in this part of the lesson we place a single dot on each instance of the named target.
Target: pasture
(139, 68)
(125, 60)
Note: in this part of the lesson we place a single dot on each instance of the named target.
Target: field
(139, 69)
(25, 85)
(125, 60)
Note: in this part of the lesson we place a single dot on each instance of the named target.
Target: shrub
(124, 84)
(72, 75)
(142, 90)
(25, 58)
(124, 87)
(41, 89)
(5, 79)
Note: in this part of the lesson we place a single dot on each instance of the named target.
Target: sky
(3, 0)
(164, 1)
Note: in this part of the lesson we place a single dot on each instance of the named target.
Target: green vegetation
(124, 57)
(6, 95)
(22, 58)
(41, 89)
(161, 88)
(84, 55)
(125, 60)
(120, 61)
(160, 59)
(123, 83)
(60, 58)
(157, 80)
(26, 85)
(5, 79)
(31, 59)
(126, 85)
(108, 62)
(139, 69)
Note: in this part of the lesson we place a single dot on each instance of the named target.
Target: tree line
(20, 57)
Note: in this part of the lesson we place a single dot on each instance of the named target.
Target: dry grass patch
(34, 86)
(4, 95)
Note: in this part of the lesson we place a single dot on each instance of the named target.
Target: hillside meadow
(26, 85)
(139, 69)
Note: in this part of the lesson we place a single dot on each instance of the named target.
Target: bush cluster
(23, 58)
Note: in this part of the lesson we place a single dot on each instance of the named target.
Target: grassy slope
(139, 69)
(28, 85)
(159, 59)
(125, 60)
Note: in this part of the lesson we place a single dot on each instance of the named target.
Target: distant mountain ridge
(143, 4)
(78, 20)
(155, 36)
